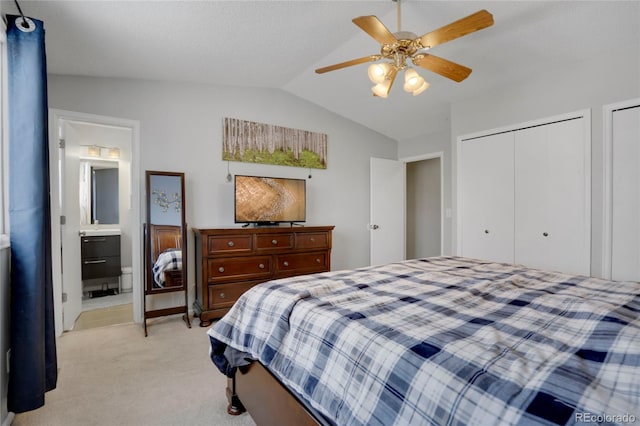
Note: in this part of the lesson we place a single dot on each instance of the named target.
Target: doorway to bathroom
(97, 200)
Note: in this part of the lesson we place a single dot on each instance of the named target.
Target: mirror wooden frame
(161, 238)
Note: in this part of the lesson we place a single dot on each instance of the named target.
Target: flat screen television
(264, 200)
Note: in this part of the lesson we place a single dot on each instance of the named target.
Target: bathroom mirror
(165, 241)
(99, 192)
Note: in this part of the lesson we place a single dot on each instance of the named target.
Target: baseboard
(9, 419)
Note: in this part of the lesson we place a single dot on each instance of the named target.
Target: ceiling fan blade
(444, 67)
(475, 22)
(370, 58)
(376, 29)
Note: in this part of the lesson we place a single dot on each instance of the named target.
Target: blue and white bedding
(445, 340)
(169, 260)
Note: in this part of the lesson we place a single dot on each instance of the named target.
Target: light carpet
(115, 376)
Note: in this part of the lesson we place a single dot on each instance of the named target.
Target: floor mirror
(165, 247)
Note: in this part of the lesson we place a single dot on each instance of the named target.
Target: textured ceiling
(278, 44)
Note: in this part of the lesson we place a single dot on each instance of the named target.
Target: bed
(166, 255)
(444, 340)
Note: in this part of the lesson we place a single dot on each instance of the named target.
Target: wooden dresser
(230, 261)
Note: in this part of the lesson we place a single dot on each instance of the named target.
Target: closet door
(625, 236)
(487, 197)
(551, 197)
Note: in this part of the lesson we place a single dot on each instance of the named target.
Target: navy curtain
(33, 346)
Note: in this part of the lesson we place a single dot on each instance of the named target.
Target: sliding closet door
(551, 197)
(625, 238)
(487, 197)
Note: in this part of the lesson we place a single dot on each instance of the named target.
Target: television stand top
(271, 224)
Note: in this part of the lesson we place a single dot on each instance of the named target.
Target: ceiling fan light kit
(399, 47)
(378, 72)
(383, 88)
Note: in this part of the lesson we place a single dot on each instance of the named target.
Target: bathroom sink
(100, 232)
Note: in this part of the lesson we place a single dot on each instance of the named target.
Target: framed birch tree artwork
(252, 142)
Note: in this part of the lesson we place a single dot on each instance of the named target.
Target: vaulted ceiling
(279, 44)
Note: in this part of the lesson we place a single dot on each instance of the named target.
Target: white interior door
(70, 209)
(551, 198)
(625, 230)
(387, 224)
(486, 202)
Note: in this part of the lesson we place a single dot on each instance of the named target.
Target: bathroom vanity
(100, 254)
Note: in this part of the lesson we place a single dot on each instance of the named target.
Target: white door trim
(431, 156)
(607, 179)
(55, 115)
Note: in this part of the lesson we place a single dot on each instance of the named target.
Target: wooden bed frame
(255, 389)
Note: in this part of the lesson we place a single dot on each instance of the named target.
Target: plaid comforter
(446, 341)
(168, 260)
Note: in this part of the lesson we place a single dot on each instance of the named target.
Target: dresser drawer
(301, 263)
(312, 240)
(229, 244)
(225, 295)
(108, 245)
(101, 267)
(239, 268)
(274, 241)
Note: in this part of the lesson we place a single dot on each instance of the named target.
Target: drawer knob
(545, 234)
(312, 239)
(222, 296)
(274, 242)
(261, 266)
(486, 231)
(318, 260)
(231, 244)
(221, 269)
(286, 263)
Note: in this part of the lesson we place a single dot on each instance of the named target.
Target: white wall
(606, 78)
(609, 77)
(181, 130)
(4, 239)
(423, 208)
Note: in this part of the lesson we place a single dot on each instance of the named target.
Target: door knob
(374, 227)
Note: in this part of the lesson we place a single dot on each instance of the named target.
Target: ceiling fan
(396, 48)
